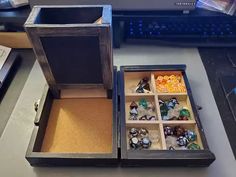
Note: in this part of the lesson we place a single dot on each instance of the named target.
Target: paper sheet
(224, 6)
(4, 52)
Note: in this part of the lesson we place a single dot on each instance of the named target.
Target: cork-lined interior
(81, 125)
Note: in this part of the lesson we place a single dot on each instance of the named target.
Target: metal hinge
(36, 105)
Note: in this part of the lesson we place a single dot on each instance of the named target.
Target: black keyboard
(198, 28)
(157, 29)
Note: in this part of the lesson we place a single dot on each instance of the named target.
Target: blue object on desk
(5, 4)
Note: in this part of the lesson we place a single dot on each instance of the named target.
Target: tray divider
(153, 84)
(156, 97)
(183, 81)
(179, 122)
(139, 94)
(157, 108)
(162, 136)
(177, 94)
(190, 109)
(163, 139)
(140, 122)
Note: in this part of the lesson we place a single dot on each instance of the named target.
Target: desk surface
(218, 64)
(15, 138)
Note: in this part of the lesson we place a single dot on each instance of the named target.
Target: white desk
(15, 138)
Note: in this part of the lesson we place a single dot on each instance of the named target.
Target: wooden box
(76, 122)
(159, 153)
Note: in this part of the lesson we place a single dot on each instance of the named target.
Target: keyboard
(183, 30)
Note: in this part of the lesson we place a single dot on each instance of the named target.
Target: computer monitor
(126, 5)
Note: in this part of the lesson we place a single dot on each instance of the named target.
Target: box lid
(73, 45)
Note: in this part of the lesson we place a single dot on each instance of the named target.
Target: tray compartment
(153, 134)
(183, 101)
(150, 112)
(167, 85)
(191, 127)
(132, 80)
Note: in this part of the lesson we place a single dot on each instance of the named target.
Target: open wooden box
(76, 123)
(158, 154)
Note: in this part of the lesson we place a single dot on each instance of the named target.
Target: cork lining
(79, 126)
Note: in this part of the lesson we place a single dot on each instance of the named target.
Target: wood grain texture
(79, 126)
(15, 40)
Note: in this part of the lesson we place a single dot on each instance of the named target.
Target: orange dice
(170, 84)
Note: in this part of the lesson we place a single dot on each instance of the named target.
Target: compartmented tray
(76, 121)
(175, 136)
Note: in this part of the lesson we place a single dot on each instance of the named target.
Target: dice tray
(34, 153)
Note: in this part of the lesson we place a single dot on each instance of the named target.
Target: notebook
(4, 52)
